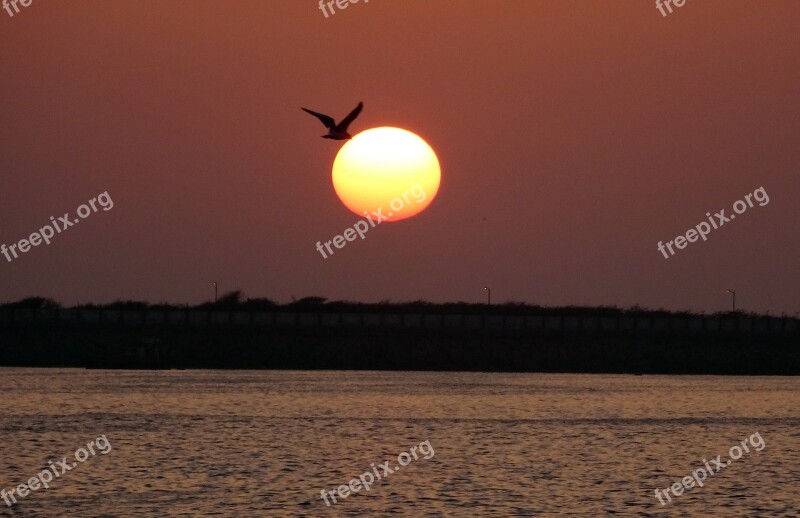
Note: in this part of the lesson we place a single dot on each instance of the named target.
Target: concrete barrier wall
(534, 322)
(372, 319)
(285, 319)
(453, 321)
(308, 319)
(609, 323)
(776, 325)
(515, 322)
(89, 316)
(432, 321)
(627, 324)
(712, 324)
(330, 319)
(351, 319)
(263, 318)
(392, 320)
(695, 324)
(242, 318)
(155, 317)
(412, 320)
(494, 322)
(198, 317)
(549, 323)
(177, 316)
(571, 323)
(220, 318)
(110, 316)
(552, 322)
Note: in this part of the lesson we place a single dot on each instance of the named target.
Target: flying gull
(337, 131)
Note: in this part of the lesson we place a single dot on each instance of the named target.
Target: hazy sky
(584, 132)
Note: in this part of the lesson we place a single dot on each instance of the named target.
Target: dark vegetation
(236, 300)
(62, 339)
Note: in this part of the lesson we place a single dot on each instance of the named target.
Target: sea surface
(266, 443)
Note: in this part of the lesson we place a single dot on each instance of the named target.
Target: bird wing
(327, 121)
(350, 118)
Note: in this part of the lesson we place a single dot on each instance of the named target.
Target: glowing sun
(389, 169)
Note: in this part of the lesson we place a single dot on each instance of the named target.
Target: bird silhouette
(337, 131)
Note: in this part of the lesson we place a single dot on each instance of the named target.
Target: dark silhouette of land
(311, 333)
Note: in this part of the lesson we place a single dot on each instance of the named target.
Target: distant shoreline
(405, 337)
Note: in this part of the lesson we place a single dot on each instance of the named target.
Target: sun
(386, 169)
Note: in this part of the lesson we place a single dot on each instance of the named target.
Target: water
(208, 443)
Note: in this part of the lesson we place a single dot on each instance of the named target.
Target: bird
(337, 131)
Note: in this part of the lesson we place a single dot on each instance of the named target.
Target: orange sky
(584, 132)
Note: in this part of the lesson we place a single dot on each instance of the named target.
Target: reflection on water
(213, 443)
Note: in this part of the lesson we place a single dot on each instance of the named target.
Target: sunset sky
(573, 136)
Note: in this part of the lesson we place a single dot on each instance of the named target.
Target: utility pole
(734, 298)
